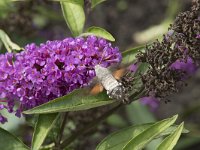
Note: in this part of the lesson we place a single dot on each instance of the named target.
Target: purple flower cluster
(188, 66)
(42, 73)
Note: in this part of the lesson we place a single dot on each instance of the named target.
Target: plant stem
(62, 127)
(92, 124)
(59, 136)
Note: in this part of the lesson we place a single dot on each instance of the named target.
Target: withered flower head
(171, 58)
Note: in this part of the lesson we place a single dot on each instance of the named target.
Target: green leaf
(118, 139)
(141, 113)
(171, 129)
(75, 101)
(10, 142)
(96, 2)
(43, 125)
(170, 141)
(9, 45)
(100, 32)
(80, 2)
(130, 55)
(141, 140)
(74, 16)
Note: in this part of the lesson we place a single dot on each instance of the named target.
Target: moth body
(114, 88)
(106, 78)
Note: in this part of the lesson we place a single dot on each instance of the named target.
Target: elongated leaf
(170, 141)
(44, 124)
(9, 45)
(74, 101)
(130, 55)
(141, 140)
(10, 142)
(118, 139)
(100, 32)
(74, 16)
(171, 129)
(96, 2)
(17, 0)
(142, 115)
(80, 2)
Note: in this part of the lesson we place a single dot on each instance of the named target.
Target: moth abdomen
(115, 89)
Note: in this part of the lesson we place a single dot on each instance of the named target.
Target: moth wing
(98, 88)
(119, 73)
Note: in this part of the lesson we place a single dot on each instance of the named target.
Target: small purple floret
(3, 119)
(152, 102)
(42, 73)
(133, 67)
(188, 66)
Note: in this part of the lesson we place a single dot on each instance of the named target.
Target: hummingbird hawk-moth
(111, 83)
